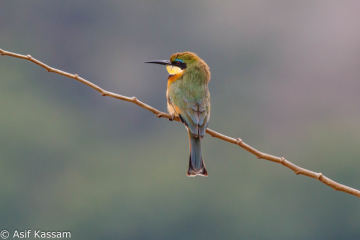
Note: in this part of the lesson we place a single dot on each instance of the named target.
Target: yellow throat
(173, 70)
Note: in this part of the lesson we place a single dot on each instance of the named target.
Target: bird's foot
(172, 117)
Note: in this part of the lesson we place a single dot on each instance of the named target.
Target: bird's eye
(177, 63)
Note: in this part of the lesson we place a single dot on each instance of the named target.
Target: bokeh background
(285, 79)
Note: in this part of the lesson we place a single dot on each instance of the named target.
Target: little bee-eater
(188, 98)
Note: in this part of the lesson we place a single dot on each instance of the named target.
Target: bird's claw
(172, 117)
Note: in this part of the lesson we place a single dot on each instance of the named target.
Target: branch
(260, 155)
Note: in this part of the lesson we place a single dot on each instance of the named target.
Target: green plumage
(188, 97)
(190, 94)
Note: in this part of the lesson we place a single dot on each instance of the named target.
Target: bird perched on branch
(188, 98)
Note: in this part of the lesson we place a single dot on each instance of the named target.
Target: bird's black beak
(161, 62)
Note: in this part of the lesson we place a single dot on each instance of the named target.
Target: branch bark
(260, 155)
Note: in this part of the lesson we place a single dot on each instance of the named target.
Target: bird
(188, 98)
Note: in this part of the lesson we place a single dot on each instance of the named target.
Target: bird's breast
(173, 78)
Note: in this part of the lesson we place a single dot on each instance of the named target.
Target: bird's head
(179, 62)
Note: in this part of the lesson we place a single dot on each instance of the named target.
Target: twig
(260, 155)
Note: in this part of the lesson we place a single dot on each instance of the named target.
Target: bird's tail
(196, 162)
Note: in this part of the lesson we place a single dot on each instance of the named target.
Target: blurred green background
(285, 79)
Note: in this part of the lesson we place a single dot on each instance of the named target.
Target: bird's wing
(195, 114)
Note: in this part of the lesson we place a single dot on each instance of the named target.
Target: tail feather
(196, 162)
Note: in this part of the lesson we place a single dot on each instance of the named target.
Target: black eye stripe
(179, 64)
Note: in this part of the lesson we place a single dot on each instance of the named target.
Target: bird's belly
(170, 107)
(171, 110)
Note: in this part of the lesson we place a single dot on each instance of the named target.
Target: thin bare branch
(260, 155)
